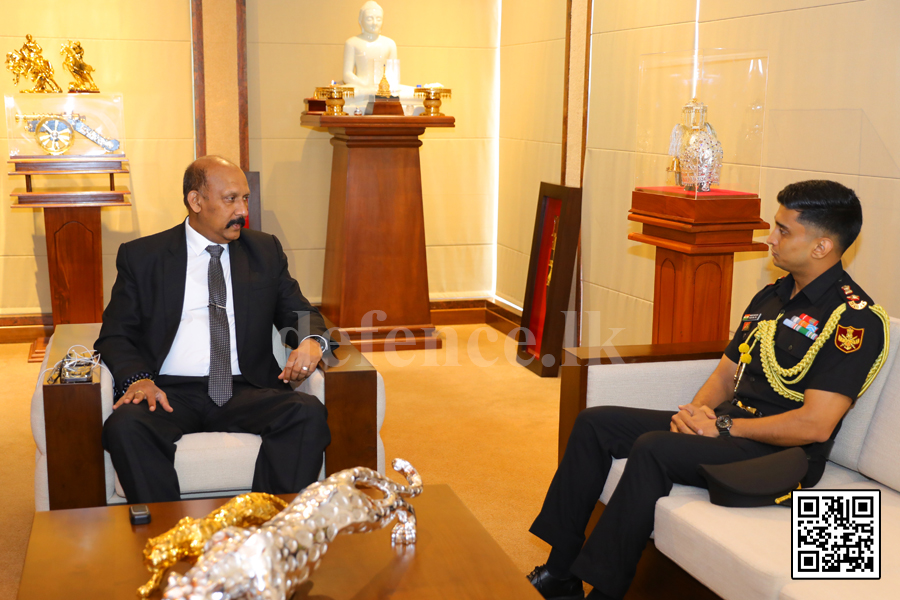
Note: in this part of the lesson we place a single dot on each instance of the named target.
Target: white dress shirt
(189, 354)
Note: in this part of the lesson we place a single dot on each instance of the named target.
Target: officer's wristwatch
(723, 424)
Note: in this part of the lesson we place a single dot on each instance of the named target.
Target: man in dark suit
(188, 329)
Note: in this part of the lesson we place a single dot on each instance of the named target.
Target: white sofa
(208, 464)
(745, 553)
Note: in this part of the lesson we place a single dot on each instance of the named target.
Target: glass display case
(41, 125)
(700, 120)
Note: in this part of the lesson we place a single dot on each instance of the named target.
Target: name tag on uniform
(804, 325)
(751, 318)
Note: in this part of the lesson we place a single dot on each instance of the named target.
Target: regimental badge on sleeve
(848, 339)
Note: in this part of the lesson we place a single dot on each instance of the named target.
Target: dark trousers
(293, 427)
(657, 459)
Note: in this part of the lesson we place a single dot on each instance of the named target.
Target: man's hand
(302, 361)
(694, 420)
(142, 390)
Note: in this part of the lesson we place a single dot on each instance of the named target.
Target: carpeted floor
(465, 415)
(17, 463)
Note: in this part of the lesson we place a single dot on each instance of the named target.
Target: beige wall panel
(21, 230)
(729, 9)
(523, 166)
(615, 60)
(618, 15)
(458, 219)
(609, 259)
(459, 271)
(156, 203)
(512, 271)
(279, 77)
(531, 91)
(464, 23)
(295, 188)
(308, 268)
(528, 21)
(872, 263)
(830, 105)
(606, 311)
(96, 19)
(24, 285)
(458, 166)
(470, 73)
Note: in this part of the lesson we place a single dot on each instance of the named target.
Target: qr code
(836, 534)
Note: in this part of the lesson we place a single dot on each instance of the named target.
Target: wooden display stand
(375, 248)
(72, 228)
(696, 237)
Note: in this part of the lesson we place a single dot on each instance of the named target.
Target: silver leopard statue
(270, 562)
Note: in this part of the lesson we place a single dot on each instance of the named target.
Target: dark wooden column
(375, 249)
(75, 264)
(696, 237)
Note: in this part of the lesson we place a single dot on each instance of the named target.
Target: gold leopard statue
(187, 539)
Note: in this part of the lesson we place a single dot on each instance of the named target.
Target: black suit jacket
(144, 310)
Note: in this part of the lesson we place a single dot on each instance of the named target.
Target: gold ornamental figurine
(74, 63)
(384, 87)
(334, 95)
(29, 63)
(432, 99)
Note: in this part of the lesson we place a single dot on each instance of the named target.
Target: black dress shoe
(554, 588)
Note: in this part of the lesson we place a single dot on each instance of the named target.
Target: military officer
(806, 348)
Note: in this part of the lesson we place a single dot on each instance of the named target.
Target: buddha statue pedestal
(375, 246)
(696, 236)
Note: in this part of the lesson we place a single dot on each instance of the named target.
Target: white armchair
(72, 470)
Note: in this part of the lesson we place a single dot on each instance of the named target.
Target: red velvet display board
(551, 211)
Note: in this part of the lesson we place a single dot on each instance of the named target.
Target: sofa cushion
(849, 443)
(888, 587)
(657, 386)
(214, 461)
(739, 553)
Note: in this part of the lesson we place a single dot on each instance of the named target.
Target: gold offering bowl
(432, 100)
(334, 95)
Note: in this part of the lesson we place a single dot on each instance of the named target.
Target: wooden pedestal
(375, 249)
(696, 238)
(72, 227)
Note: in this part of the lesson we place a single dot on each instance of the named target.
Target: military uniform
(772, 346)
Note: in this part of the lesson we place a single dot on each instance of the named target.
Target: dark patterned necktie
(219, 337)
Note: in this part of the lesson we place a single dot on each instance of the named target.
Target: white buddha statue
(366, 59)
(368, 52)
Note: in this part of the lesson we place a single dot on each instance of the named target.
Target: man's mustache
(239, 221)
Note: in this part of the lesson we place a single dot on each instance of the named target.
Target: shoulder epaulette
(852, 299)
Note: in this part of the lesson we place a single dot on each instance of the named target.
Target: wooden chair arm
(73, 422)
(351, 397)
(576, 361)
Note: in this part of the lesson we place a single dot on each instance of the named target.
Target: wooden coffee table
(96, 553)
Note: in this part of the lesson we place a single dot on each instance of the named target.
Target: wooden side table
(375, 249)
(696, 237)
